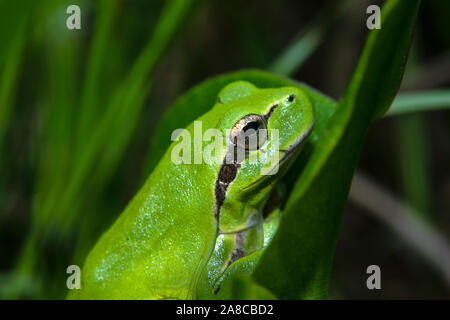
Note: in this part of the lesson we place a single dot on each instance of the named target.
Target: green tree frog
(194, 228)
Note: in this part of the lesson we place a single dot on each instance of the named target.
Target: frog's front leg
(236, 256)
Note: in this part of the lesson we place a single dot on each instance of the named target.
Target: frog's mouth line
(287, 153)
(297, 143)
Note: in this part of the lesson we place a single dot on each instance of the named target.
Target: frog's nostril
(291, 98)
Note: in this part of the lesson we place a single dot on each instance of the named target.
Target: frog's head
(265, 129)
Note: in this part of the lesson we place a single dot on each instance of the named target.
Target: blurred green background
(78, 108)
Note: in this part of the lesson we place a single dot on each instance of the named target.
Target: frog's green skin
(176, 239)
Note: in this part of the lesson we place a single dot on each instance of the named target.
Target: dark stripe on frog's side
(228, 172)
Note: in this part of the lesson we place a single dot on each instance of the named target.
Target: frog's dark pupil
(291, 98)
(251, 125)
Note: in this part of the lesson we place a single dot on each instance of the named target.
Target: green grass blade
(299, 51)
(13, 33)
(413, 164)
(125, 104)
(412, 159)
(91, 92)
(62, 178)
(55, 139)
(420, 101)
(105, 148)
(8, 80)
(308, 40)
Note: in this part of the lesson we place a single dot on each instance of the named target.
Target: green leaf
(297, 264)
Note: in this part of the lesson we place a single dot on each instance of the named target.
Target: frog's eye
(250, 132)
